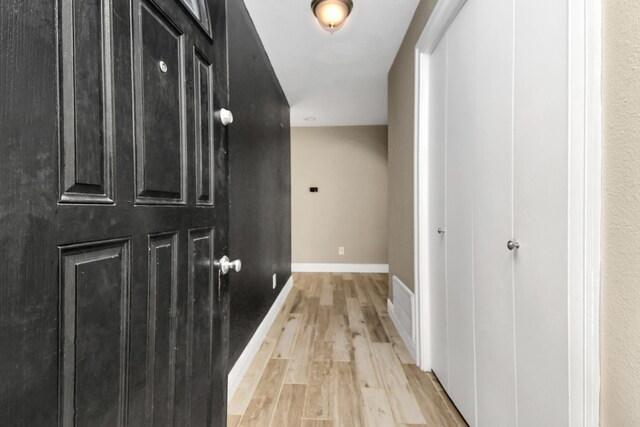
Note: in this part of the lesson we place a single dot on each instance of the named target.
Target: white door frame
(584, 198)
(441, 18)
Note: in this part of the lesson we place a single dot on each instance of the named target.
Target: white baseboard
(241, 366)
(340, 268)
(405, 335)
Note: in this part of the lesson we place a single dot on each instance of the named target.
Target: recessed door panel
(160, 137)
(161, 329)
(202, 298)
(95, 286)
(203, 97)
(87, 128)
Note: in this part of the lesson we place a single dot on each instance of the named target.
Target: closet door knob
(441, 230)
(511, 245)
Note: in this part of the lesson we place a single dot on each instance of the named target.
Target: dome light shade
(331, 13)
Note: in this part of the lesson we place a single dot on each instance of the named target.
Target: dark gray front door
(114, 204)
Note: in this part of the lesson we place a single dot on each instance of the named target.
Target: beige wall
(401, 109)
(620, 316)
(349, 166)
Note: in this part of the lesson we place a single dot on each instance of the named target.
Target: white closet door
(493, 262)
(459, 205)
(541, 212)
(436, 221)
(499, 101)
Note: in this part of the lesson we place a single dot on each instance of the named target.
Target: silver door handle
(441, 230)
(226, 117)
(512, 244)
(224, 264)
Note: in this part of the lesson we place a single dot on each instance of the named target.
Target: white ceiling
(340, 78)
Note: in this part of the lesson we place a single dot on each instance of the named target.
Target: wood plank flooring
(333, 358)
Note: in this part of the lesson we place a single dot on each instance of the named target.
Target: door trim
(584, 30)
(585, 145)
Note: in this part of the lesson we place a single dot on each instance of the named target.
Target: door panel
(87, 125)
(89, 98)
(162, 328)
(202, 297)
(203, 96)
(541, 160)
(95, 281)
(160, 117)
(460, 214)
(493, 216)
(437, 209)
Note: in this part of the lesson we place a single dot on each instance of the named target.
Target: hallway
(334, 358)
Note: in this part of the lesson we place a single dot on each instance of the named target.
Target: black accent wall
(260, 173)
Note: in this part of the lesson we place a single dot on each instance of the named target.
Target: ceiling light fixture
(331, 13)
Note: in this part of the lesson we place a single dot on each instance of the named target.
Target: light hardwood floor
(334, 358)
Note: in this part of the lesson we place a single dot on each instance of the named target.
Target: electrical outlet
(275, 282)
(340, 250)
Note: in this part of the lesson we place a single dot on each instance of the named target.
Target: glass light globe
(331, 13)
